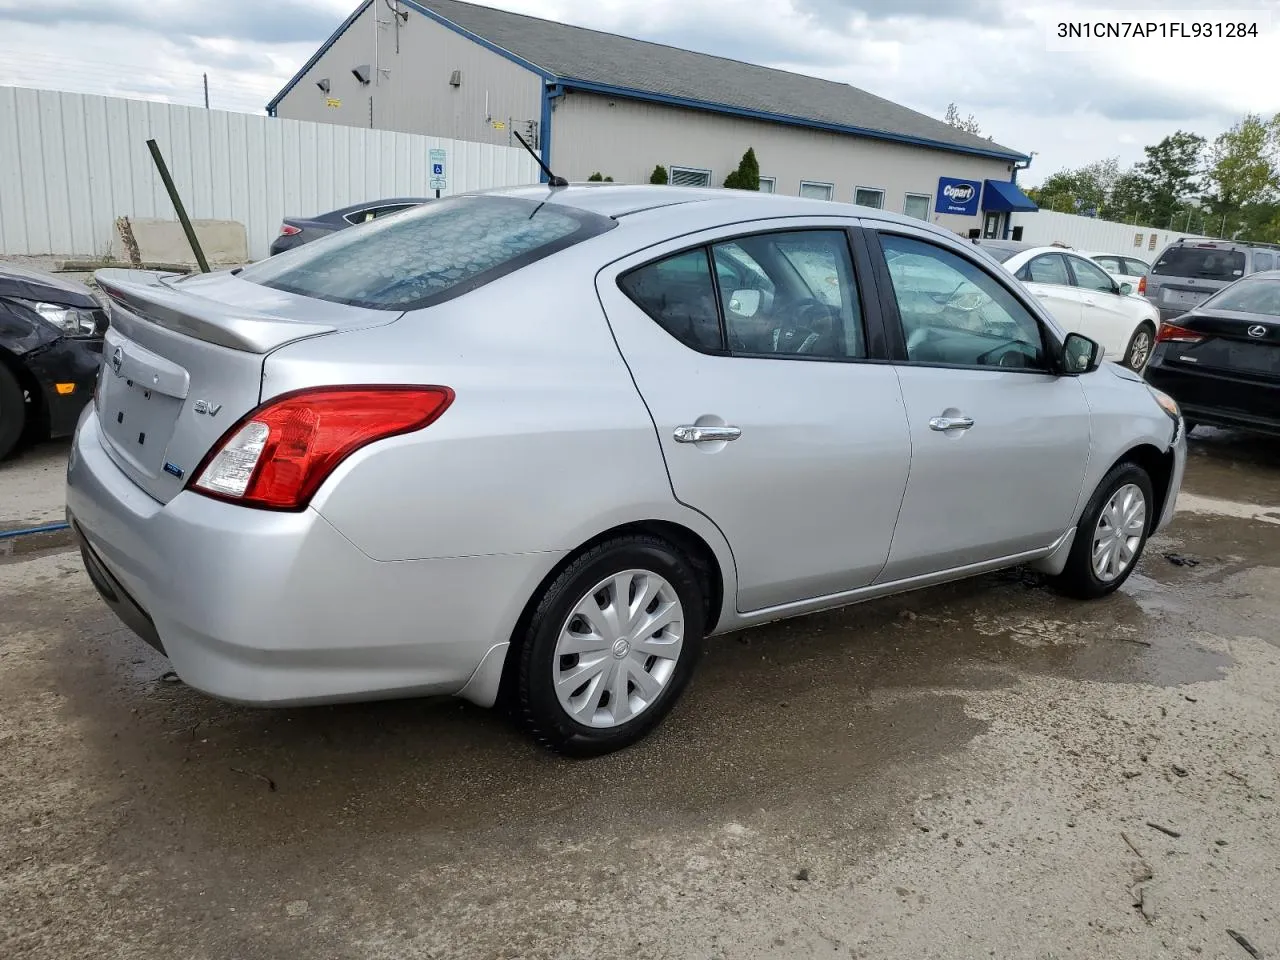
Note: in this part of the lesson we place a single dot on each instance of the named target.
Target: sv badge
(207, 408)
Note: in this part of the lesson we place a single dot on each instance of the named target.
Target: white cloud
(989, 56)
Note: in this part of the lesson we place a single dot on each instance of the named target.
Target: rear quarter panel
(546, 445)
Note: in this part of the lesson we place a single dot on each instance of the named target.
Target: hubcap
(1141, 347)
(618, 648)
(1119, 532)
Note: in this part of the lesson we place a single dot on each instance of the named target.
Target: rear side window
(1111, 264)
(1046, 269)
(1263, 260)
(1202, 263)
(434, 253)
(678, 293)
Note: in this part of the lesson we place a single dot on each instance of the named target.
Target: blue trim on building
(315, 57)
(560, 84)
(628, 93)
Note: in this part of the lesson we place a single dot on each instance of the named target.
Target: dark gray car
(1189, 271)
(295, 231)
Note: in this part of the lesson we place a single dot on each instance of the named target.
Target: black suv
(1189, 271)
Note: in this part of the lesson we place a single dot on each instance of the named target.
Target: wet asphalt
(947, 774)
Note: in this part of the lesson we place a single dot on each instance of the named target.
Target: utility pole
(206, 91)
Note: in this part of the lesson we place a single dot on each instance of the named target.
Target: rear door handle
(950, 423)
(1042, 296)
(698, 434)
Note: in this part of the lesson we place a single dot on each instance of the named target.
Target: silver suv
(1189, 271)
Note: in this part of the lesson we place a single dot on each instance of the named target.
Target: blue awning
(1003, 196)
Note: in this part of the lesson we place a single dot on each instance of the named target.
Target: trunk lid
(1244, 344)
(183, 360)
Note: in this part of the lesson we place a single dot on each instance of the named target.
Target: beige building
(592, 102)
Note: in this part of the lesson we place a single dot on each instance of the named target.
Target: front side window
(1090, 276)
(432, 253)
(1135, 268)
(954, 313)
(1048, 268)
(815, 191)
(917, 205)
(868, 197)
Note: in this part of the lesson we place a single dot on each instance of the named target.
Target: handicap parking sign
(437, 169)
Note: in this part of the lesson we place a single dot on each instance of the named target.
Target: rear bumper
(270, 608)
(1217, 400)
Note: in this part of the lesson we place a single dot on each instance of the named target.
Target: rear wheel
(1138, 352)
(1111, 534)
(610, 647)
(13, 411)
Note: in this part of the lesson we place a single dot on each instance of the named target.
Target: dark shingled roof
(568, 53)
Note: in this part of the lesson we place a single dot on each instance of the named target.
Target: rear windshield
(1248, 296)
(439, 251)
(1000, 251)
(1203, 263)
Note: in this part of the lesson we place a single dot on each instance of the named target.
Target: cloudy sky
(992, 57)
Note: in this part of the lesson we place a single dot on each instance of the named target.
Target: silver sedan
(541, 442)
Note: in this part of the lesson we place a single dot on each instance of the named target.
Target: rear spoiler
(149, 296)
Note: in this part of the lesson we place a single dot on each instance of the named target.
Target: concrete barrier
(224, 241)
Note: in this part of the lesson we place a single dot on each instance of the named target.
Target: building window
(1137, 240)
(814, 190)
(1151, 244)
(868, 197)
(768, 184)
(917, 205)
(690, 177)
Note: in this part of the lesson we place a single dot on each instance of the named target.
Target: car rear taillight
(1175, 334)
(278, 455)
(1142, 286)
(289, 230)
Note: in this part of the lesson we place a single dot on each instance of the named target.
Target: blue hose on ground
(47, 528)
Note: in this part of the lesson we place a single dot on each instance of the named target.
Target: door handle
(1043, 296)
(1089, 301)
(950, 423)
(698, 434)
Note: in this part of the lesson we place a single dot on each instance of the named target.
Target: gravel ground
(984, 769)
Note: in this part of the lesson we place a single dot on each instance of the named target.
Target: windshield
(431, 253)
(1248, 296)
(1203, 263)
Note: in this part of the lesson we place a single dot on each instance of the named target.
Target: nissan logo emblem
(1257, 330)
(117, 360)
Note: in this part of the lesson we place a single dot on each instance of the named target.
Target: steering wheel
(1009, 359)
(811, 319)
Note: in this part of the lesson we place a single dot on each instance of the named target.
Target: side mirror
(745, 303)
(1126, 289)
(1080, 355)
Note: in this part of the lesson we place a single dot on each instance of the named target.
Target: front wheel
(1138, 352)
(1111, 534)
(13, 411)
(611, 646)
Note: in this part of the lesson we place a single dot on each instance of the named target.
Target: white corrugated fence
(70, 164)
(1095, 236)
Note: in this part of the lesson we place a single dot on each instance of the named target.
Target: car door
(999, 441)
(776, 410)
(1049, 281)
(1106, 315)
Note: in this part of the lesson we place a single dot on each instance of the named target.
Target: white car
(1122, 269)
(1084, 298)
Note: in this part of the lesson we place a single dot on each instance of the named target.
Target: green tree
(1241, 179)
(597, 177)
(747, 176)
(1127, 201)
(1168, 177)
(659, 175)
(1073, 191)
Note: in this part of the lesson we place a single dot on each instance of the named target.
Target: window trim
(928, 204)
(878, 348)
(773, 181)
(879, 190)
(831, 189)
(892, 318)
(673, 167)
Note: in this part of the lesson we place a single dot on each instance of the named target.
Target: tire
(1138, 352)
(638, 563)
(13, 411)
(1080, 578)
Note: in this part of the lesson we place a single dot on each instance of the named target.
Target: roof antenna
(552, 179)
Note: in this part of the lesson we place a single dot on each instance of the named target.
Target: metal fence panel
(71, 163)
